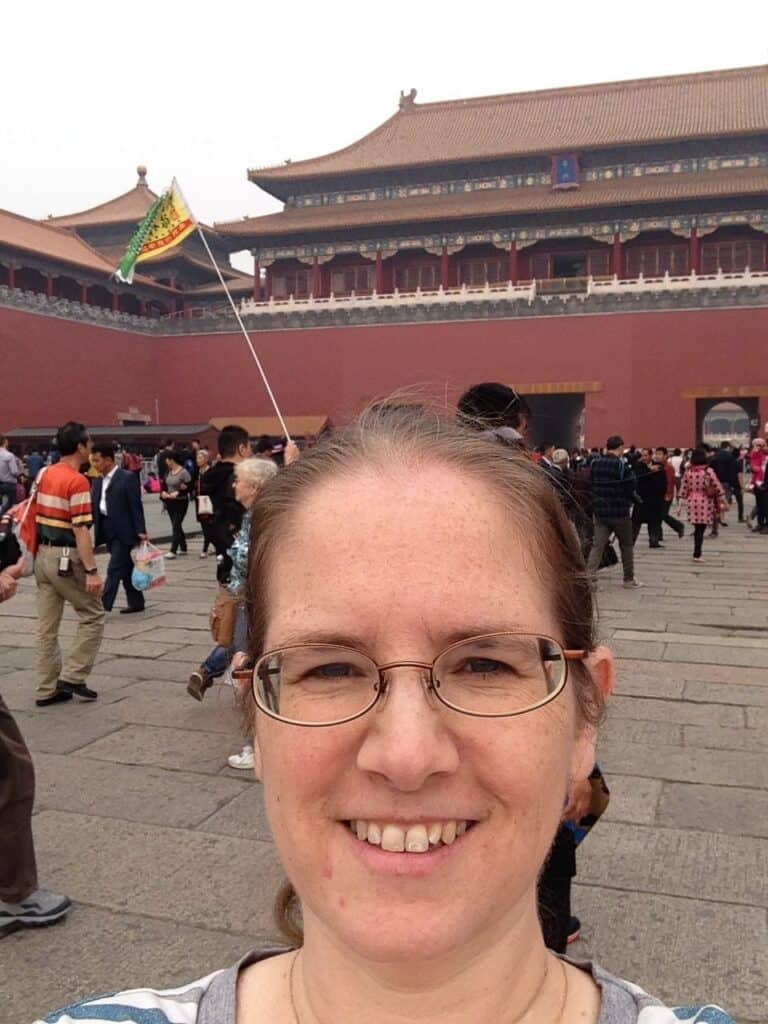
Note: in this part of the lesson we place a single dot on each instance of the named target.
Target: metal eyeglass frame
(249, 675)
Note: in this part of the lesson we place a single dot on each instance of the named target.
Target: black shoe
(131, 611)
(56, 698)
(78, 690)
(681, 532)
(574, 929)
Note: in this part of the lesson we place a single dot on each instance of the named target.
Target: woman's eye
(485, 666)
(334, 670)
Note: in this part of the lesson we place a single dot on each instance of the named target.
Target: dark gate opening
(557, 418)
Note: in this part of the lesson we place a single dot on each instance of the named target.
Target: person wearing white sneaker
(243, 760)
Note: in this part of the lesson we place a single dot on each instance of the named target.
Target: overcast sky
(91, 88)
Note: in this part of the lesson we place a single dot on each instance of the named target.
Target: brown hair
(397, 434)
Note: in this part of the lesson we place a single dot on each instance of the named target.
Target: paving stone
(684, 951)
(194, 878)
(633, 798)
(630, 684)
(757, 718)
(244, 816)
(711, 738)
(744, 642)
(177, 638)
(142, 668)
(106, 952)
(707, 653)
(180, 749)
(64, 728)
(730, 693)
(15, 657)
(714, 809)
(149, 703)
(681, 712)
(130, 792)
(650, 650)
(630, 730)
(684, 764)
(639, 858)
(715, 672)
(193, 654)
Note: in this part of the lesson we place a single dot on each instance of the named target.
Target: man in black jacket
(118, 521)
(651, 488)
(219, 484)
(613, 486)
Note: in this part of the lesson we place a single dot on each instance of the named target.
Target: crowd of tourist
(468, 818)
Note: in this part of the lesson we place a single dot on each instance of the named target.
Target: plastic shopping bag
(148, 567)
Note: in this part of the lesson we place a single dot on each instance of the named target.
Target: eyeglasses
(496, 675)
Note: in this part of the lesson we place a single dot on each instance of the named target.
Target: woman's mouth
(415, 838)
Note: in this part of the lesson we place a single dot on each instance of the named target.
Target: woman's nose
(407, 739)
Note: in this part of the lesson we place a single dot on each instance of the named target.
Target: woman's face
(245, 491)
(201, 459)
(400, 563)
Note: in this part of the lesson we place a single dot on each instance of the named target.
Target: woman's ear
(600, 666)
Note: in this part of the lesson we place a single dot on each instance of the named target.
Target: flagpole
(256, 359)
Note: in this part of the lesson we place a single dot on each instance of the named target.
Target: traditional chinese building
(603, 248)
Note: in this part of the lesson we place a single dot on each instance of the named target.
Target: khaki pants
(53, 591)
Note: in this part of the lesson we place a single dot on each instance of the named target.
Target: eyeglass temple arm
(573, 655)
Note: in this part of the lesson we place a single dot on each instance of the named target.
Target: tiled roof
(716, 103)
(114, 253)
(239, 284)
(58, 245)
(130, 207)
(494, 202)
(54, 243)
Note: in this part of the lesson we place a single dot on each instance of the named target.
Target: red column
(317, 287)
(513, 273)
(11, 276)
(84, 294)
(268, 285)
(114, 302)
(617, 262)
(444, 268)
(49, 286)
(256, 281)
(693, 252)
(379, 273)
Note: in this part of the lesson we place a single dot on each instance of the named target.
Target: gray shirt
(9, 467)
(212, 1000)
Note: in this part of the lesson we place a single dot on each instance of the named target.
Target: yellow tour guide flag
(167, 223)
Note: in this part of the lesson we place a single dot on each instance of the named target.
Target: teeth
(393, 839)
(416, 839)
(374, 834)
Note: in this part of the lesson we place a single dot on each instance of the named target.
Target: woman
(704, 496)
(203, 461)
(250, 476)
(427, 685)
(175, 497)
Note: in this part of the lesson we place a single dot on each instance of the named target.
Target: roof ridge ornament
(407, 102)
(141, 170)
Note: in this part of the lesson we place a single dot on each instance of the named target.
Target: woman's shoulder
(624, 1002)
(161, 1006)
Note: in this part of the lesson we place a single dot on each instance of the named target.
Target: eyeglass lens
(502, 674)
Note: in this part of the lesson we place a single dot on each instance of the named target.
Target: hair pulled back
(408, 436)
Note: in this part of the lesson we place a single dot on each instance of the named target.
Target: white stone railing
(613, 286)
(555, 288)
(490, 293)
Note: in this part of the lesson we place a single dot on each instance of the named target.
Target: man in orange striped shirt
(66, 572)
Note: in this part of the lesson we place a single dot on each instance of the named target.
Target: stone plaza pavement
(168, 859)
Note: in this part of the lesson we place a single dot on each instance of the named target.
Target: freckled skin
(400, 560)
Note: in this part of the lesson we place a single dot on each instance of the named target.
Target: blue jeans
(216, 662)
(7, 496)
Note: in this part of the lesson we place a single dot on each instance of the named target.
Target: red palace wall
(643, 362)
